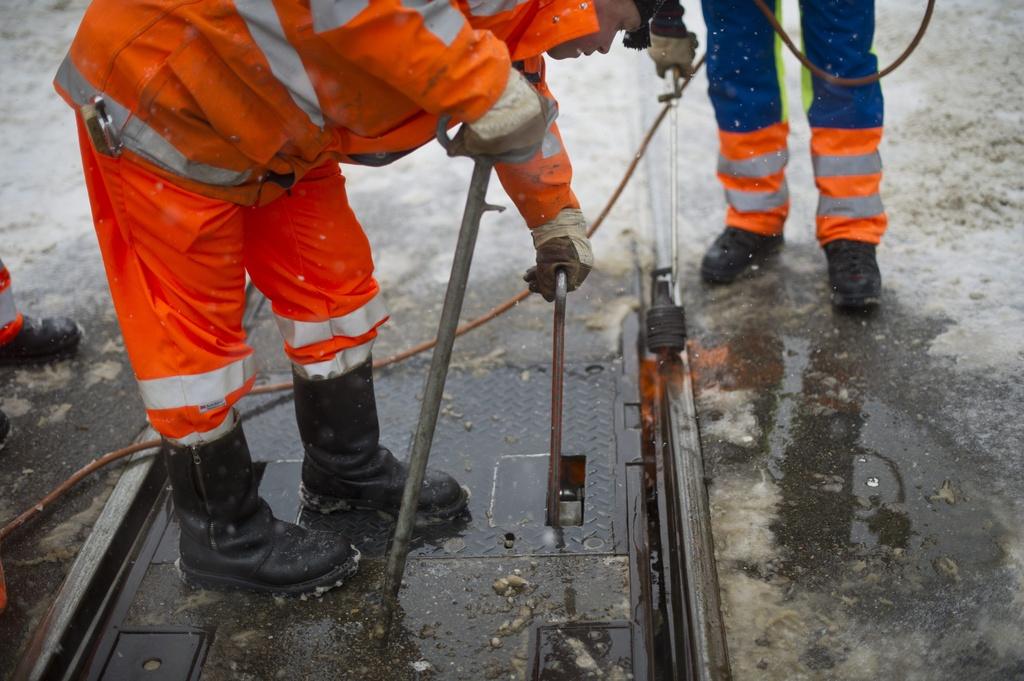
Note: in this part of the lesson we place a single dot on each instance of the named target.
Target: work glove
(512, 130)
(673, 51)
(561, 243)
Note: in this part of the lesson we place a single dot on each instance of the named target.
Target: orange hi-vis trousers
(847, 169)
(176, 264)
(746, 89)
(10, 319)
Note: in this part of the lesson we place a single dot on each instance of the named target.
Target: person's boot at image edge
(39, 340)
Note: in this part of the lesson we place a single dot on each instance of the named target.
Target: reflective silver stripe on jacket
(356, 323)
(206, 391)
(854, 207)
(756, 166)
(754, 202)
(837, 166)
(488, 8)
(343, 362)
(440, 17)
(142, 139)
(8, 309)
(330, 14)
(265, 26)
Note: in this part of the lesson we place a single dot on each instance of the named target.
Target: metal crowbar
(476, 205)
(555, 468)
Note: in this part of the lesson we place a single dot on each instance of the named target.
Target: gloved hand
(512, 130)
(673, 51)
(561, 243)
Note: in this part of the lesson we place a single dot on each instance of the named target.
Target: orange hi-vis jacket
(237, 100)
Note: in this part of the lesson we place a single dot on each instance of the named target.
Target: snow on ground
(955, 176)
(41, 189)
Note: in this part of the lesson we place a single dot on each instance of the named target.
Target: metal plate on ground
(517, 500)
(455, 620)
(156, 654)
(489, 422)
(569, 652)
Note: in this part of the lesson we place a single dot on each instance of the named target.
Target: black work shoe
(345, 467)
(230, 539)
(41, 340)
(853, 274)
(733, 252)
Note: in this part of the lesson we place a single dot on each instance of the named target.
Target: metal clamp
(100, 128)
(675, 86)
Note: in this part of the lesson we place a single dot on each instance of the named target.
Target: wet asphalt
(882, 483)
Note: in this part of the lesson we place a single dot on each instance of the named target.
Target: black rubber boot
(345, 467)
(853, 274)
(733, 252)
(41, 340)
(229, 536)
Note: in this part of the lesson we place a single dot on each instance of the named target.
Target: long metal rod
(674, 179)
(475, 206)
(557, 383)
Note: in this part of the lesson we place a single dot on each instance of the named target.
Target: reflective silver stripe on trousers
(356, 323)
(142, 139)
(206, 391)
(855, 207)
(754, 202)
(214, 433)
(343, 362)
(440, 18)
(488, 8)
(265, 26)
(8, 309)
(837, 166)
(755, 166)
(330, 14)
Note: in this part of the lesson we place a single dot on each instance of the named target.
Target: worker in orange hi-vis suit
(211, 134)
